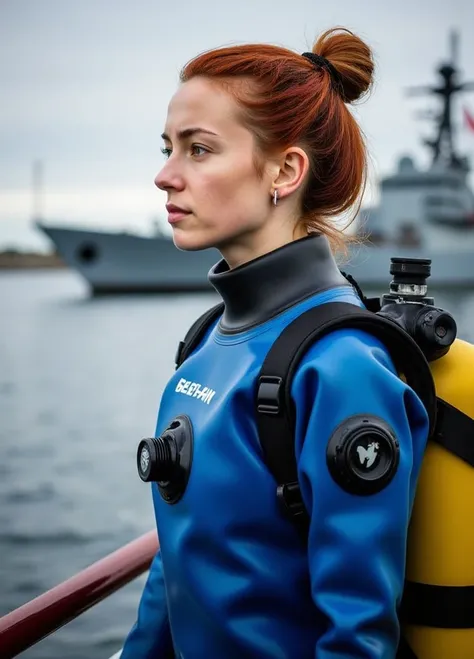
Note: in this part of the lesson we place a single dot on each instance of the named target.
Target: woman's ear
(293, 166)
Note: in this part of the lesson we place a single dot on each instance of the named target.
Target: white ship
(422, 213)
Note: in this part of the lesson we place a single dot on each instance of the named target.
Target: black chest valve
(166, 460)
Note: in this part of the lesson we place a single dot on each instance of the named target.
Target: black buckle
(268, 394)
(179, 354)
(290, 499)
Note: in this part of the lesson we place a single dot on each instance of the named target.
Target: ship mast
(442, 145)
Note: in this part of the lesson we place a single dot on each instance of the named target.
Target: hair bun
(351, 58)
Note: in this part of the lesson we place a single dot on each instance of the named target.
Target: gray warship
(422, 213)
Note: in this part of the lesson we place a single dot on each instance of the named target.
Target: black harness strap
(443, 607)
(275, 410)
(196, 333)
(455, 432)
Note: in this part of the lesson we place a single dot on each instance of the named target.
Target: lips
(175, 213)
(171, 208)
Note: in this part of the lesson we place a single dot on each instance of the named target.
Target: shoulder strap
(275, 413)
(196, 333)
(455, 432)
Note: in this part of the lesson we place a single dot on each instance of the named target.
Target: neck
(260, 289)
(271, 238)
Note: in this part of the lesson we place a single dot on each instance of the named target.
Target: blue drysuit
(233, 578)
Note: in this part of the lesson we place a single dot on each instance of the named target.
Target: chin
(187, 242)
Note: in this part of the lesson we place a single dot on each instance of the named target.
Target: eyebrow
(188, 132)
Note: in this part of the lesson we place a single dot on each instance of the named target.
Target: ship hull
(120, 263)
(126, 263)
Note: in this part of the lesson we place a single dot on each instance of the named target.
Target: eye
(166, 151)
(198, 150)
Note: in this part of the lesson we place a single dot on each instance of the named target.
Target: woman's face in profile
(215, 194)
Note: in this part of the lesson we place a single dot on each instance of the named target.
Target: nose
(169, 178)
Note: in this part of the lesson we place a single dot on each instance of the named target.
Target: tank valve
(408, 304)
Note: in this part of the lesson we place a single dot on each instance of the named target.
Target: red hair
(286, 100)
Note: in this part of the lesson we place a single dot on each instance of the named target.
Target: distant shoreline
(11, 259)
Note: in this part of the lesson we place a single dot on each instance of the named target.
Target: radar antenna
(442, 145)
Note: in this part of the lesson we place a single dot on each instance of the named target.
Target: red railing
(35, 620)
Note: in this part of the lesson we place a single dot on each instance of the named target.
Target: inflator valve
(166, 460)
(157, 457)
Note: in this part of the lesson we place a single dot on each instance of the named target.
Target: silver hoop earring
(275, 197)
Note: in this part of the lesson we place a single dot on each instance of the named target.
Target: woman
(262, 153)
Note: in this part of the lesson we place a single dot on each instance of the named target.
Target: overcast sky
(85, 85)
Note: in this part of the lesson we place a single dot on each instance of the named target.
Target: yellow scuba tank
(437, 612)
(441, 535)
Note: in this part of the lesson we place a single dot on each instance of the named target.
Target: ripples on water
(80, 383)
